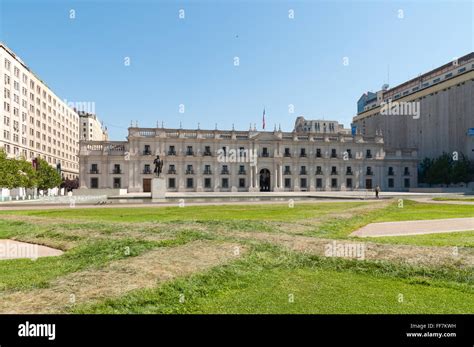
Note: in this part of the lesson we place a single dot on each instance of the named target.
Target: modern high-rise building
(90, 128)
(35, 121)
(433, 112)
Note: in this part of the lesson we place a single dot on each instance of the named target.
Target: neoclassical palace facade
(320, 157)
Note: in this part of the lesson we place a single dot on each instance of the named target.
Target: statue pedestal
(158, 188)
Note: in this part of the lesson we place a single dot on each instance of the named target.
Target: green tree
(26, 174)
(424, 167)
(460, 170)
(440, 170)
(8, 172)
(47, 176)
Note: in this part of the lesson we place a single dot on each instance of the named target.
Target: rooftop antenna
(180, 125)
(199, 126)
(233, 127)
(162, 123)
(216, 126)
(279, 126)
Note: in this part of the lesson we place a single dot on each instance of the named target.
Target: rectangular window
(225, 183)
(172, 183)
(349, 183)
(241, 182)
(189, 183)
(94, 182)
(334, 183)
(319, 183)
(94, 169)
(390, 183)
(207, 183)
(287, 182)
(147, 150)
(407, 183)
(117, 182)
(303, 183)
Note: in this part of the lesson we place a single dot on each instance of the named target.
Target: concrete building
(35, 122)
(90, 127)
(241, 161)
(433, 112)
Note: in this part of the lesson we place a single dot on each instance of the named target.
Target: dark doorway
(368, 183)
(147, 185)
(264, 180)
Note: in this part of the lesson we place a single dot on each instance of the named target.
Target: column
(281, 176)
(276, 180)
(251, 177)
(256, 177)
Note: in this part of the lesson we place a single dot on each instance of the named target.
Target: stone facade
(242, 161)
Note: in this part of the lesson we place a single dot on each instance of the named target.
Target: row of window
(117, 183)
(52, 160)
(264, 153)
(225, 170)
(16, 73)
(60, 126)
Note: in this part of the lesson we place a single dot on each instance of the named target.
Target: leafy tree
(8, 172)
(445, 170)
(47, 176)
(26, 175)
(460, 170)
(69, 185)
(424, 167)
(439, 171)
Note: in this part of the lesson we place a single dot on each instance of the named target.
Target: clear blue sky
(282, 61)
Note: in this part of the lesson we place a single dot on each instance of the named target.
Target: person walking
(377, 190)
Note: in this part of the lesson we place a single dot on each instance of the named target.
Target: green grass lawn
(469, 199)
(459, 239)
(411, 210)
(262, 281)
(270, 281)
(267, 212)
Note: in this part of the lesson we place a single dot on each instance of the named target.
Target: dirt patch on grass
(355, 249)
(122, 276)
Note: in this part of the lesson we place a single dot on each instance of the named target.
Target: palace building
(316, 156)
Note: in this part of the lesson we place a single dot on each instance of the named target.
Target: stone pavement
(416, 227)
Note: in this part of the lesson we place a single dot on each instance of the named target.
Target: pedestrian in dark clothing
(377, 190)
